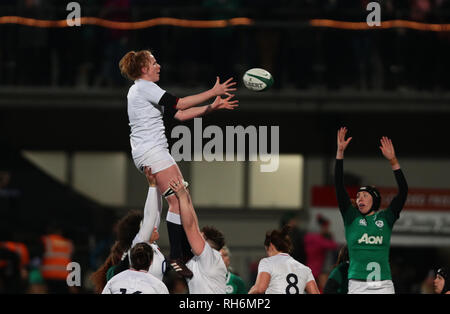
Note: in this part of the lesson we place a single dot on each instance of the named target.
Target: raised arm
(152, 210)
(188, 217)
(397, 203)
(219, 103)
(341, 193)
(218, 89)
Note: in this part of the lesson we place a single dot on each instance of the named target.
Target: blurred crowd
(38, 265)
(281, 41)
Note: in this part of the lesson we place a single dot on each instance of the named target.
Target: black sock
(185, 248)
(175, 232)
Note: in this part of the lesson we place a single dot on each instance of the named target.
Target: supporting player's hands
(342, 143)
(224, 103)
(178, 187)
(224, 88)
(387, 148)
(151, 178)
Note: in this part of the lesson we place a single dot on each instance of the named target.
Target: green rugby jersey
(368, 240)
(235, 284)
(337, 282)
(369, 237)
(110, 273)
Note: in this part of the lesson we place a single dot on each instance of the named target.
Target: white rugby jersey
(145, 116)
(287, 276)
(152, 212)
(135, 282)
(159, 264)
(209, 272)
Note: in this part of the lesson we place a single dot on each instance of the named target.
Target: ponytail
(99, 277)
(126, 229)
(132, 63)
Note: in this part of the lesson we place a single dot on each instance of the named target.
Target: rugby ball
(257, 80)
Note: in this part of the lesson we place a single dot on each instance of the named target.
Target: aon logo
(370, 240)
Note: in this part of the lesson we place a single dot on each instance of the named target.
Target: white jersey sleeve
(207, 259)
(152, 213)
(162, 288)
(158, 266)
(151, 91)
(210, 272)
(265, 266)
(309, 276)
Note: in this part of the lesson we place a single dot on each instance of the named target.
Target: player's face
(438, 284)
(152, 70)
(364, 202)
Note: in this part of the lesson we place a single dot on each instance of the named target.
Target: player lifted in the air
(148, 104)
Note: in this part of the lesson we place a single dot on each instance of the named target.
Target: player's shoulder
(140, 84)
(151, 277)
(384, 212)
(268, 261)
(154, 246)
(210, 256)
(156, 282)
(218, 258)
(208, 251)
(342, 267)
(120, 276)
(299, 265)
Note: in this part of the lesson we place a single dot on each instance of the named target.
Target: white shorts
(370, 287)
(157, 159)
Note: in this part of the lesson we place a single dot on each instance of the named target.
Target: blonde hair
(132, 63)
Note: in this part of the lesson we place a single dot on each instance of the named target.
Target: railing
(280, 39)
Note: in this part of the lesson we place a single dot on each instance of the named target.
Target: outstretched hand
(225, 103)
(342, 143)
(387, 148)
(224, 88)
(151, 178)
(178, 187)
